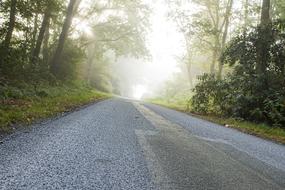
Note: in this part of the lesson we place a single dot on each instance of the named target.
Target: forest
(45, 41)
(55, 54)
(234, 60)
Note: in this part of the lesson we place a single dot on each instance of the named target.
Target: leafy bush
(245, 93)
(209, 94)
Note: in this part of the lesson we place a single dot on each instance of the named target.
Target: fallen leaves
(16, 102)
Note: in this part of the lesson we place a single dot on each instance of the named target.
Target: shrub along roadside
(261, 130)
(19, 107)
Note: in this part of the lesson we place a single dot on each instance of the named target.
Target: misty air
(142, 94)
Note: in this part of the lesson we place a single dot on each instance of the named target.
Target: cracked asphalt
(122, 144)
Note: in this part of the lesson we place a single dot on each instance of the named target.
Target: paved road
(121, 144)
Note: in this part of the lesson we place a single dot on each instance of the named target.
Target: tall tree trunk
(189, 59)
(264, 37)
(215, 53)
(265, 13)
(214, 60)
(35, 31)
(225, 34)
(5, 46)
(189, 70)
(216, 48)
(45, 43)
(11, 25)
(55, 62)
(40, 38)
(246, 14)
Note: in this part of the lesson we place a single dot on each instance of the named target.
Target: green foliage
(245, 93)
(210, 95)
(116, 28)
(279, 9)
(71, 58)
(102, 79)
(261, 130)
(25, 105)
(16, 60)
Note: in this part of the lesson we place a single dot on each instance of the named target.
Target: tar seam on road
(158, 122)
(159, 177)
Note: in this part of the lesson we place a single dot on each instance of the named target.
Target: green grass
(179, 105)
(260, 130)
(29, 108)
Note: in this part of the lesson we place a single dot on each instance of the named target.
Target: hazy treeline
(52, 41)
(233, 62)
(240, 45)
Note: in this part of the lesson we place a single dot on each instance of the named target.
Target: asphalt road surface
(123, 144)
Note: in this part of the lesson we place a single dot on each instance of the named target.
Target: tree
(226, 24)
(46, 42)
(206, 29)
(264, 38)
(4, 48)
(43, 29)
(116, 35)
(246, 14)
(11, 26)
(55, 62)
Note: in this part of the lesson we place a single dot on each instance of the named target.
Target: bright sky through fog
(165, 43)
(139, 90)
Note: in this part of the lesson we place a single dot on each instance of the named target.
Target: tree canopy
(68, 40)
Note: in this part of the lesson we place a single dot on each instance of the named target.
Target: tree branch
(108, 40)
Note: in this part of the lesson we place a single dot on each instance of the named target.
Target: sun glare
(165, 43)
(139, 91)
(82, 26)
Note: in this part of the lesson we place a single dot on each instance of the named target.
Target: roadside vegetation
(26, 106)
(245, 85)
(262, 130)
(56, 55)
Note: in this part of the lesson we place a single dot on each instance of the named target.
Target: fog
(147, 49)
(155, 57)
(145, 77)
(220, 57)
(177, 55)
